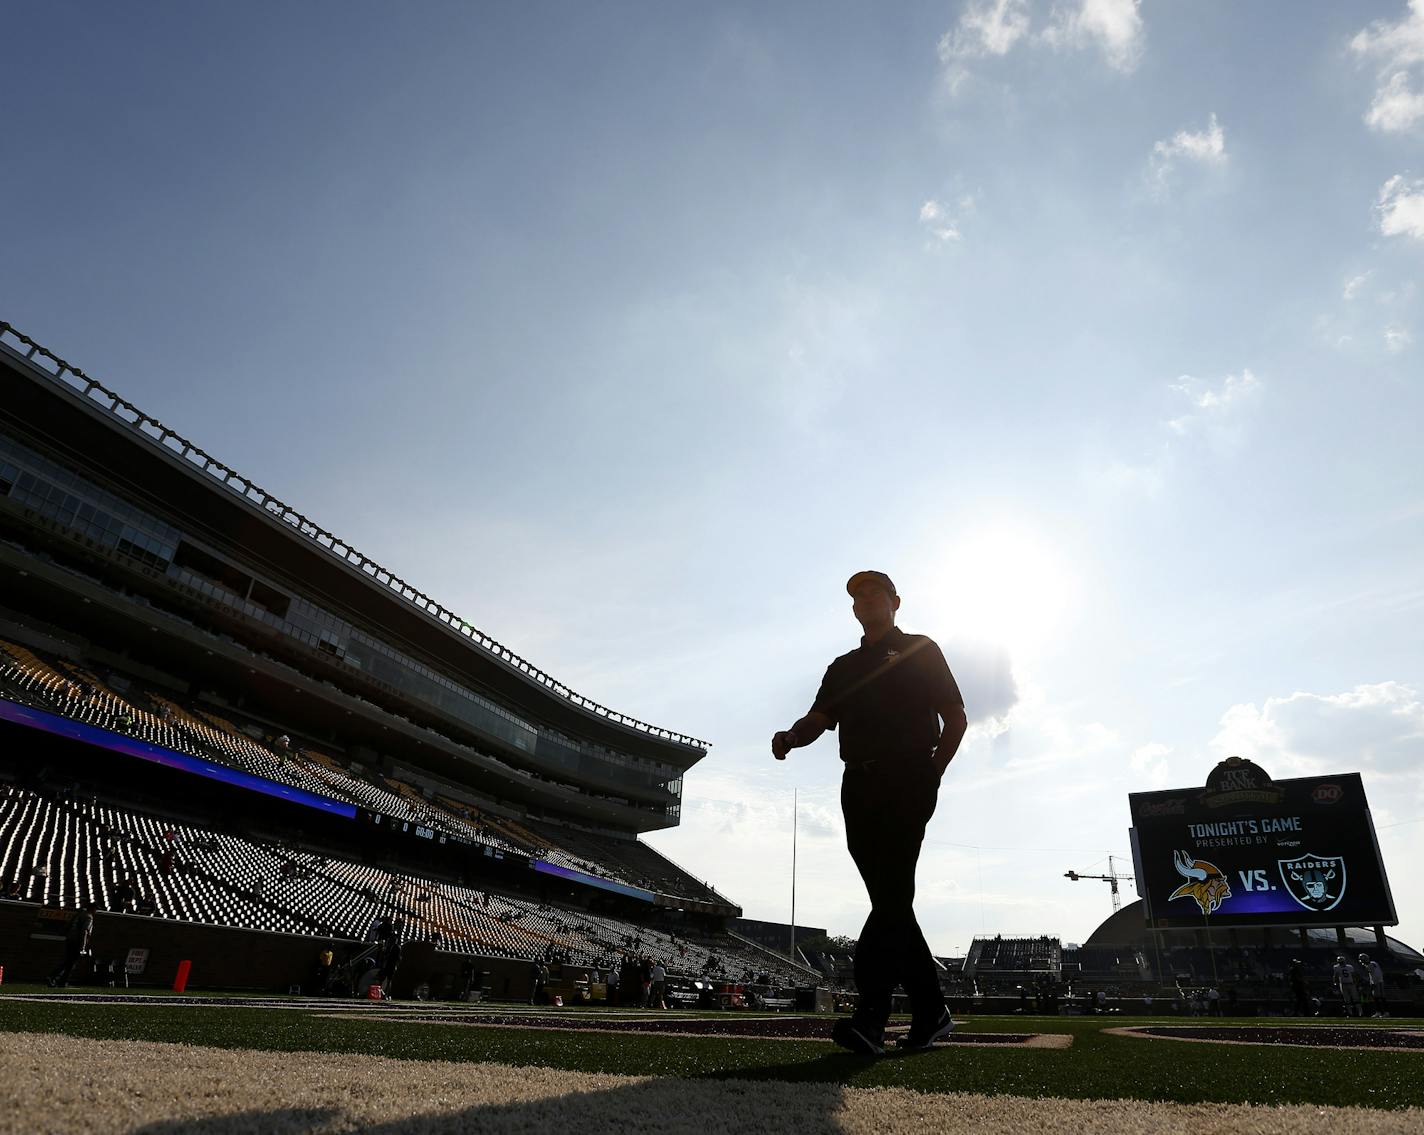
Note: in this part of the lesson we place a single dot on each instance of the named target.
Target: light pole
(795, 803)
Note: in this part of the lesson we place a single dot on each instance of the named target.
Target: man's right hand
(782, 743)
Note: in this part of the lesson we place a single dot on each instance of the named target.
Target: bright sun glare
(1005, 586)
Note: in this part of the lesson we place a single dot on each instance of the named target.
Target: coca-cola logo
(1327, 794)
(1176, 807)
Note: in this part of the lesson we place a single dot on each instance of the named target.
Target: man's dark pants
(73, 951)
(887, 805)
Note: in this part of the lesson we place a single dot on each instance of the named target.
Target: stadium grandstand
(218, 713)
(240, 738)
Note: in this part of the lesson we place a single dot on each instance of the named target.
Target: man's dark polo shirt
(886, 696)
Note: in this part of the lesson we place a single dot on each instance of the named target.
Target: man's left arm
(949, 705)
(956, 723)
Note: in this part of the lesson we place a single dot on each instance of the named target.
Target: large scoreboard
(1249, 851)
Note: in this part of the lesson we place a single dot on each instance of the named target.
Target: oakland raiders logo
(1317, 882)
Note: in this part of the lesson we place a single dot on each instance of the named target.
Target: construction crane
(1112, 878)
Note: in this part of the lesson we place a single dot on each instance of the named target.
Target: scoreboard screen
(1249, 851)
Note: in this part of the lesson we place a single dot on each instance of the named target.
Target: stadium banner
(157, 754)
(543, 866)
(1249, 851)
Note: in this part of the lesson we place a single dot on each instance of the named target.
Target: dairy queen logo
(1316, 882)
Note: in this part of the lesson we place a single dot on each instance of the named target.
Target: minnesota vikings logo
(1204, 882)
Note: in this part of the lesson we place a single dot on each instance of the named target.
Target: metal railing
(77, 384)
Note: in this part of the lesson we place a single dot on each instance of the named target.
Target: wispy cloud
(984, 29)
(1212, 404)
(943, 221)
(1354, 284)
(1396, 107)
(989, 29)
(1206, 147)
(1379, 309)
(1401, 208)
(1216, 415)
(1114, 27)
(1149, 763)
(1398, 47)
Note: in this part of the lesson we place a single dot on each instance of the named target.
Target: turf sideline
(55, 1083)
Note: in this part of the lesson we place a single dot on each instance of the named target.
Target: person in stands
(123, 896)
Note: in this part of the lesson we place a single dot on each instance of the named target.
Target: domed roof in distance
(1128, 927)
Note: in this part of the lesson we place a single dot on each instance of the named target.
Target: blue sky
(630, 331)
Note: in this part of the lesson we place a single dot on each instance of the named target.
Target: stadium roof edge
(89, 392)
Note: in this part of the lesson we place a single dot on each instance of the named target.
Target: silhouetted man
(888, 698)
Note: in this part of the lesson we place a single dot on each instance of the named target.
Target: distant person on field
(76, 944)
(1372, 981)
(1344, 975)
(390, 957)
(1300, 990)
(901, 719)
(325, 956)
(656, 999)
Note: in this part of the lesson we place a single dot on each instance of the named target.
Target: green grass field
(1096, 1066)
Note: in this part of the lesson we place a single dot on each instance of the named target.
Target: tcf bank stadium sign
(1247, 850)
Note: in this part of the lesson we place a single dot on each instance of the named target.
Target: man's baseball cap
(879, 578)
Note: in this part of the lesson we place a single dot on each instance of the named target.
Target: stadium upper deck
(122, 531)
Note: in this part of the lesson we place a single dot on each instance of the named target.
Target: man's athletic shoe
(846, 1033)
(921, 1037)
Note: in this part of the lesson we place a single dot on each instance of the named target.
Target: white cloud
(1397, 339)
(993, 28)
(1354, 284)
(1205, 147)
(1112, 26)
(942, 223)
(937, 221)
(1396, 108)
(1401, 207)
(1374, 729)
(1212, 404)
(1399, 47)
(1149, 763)
(1400, 43)
(984, 29)
(1379, 727)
